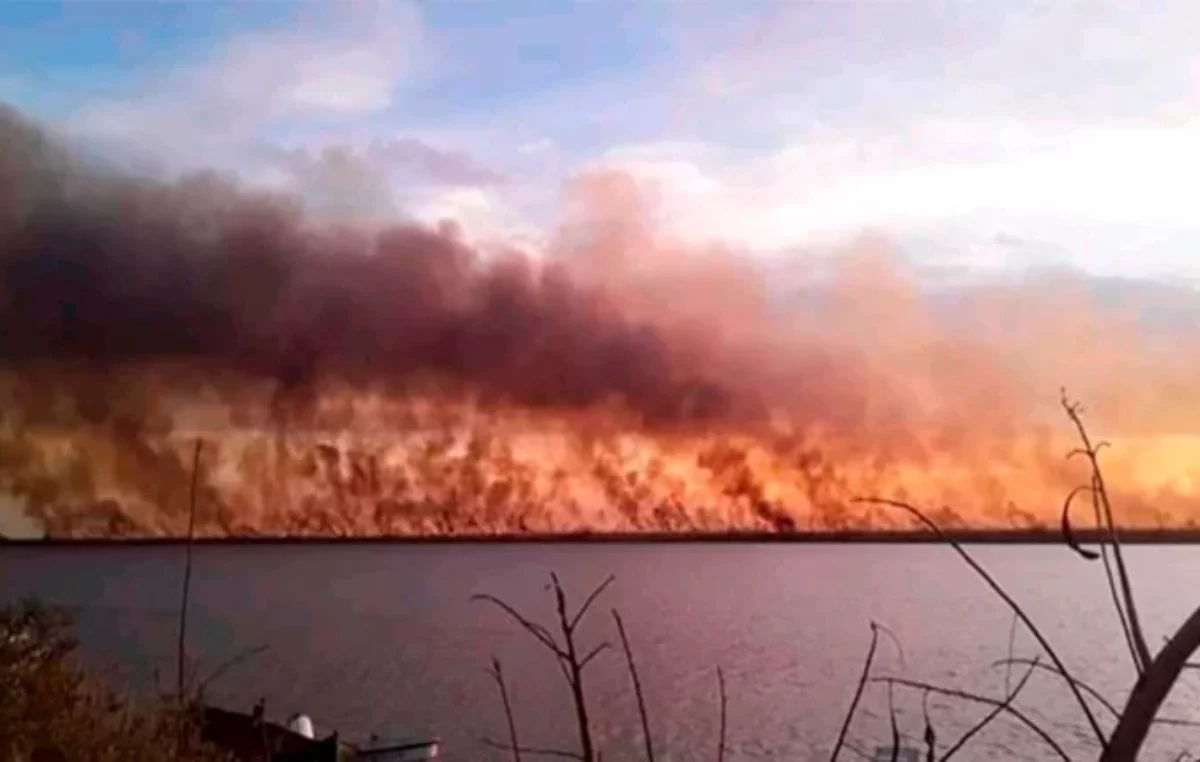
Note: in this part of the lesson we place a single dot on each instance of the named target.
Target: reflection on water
(368, 638)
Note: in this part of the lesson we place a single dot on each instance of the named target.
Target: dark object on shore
(250, 738)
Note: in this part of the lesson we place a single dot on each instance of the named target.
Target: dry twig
(858, 691)
(967, 696)
(181, 645)
(497, 673)
(1126, 606)
(1150, 691)
(637, 686)
(721, 693)
(567, 655)
(1003, 594)
(993, 714)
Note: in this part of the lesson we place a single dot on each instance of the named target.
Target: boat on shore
(252, 738)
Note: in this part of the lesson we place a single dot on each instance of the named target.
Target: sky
(980, 135)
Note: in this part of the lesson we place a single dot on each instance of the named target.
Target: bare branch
(1111, 579)
(230, 663)
(533, 628)
(530, 750)
(574, 667)
(965, 696)
(721, 693)
(930, 734)
(862, 684)
(497, 673)
(1034, 664)
(993, 714)
(895, 641)
(637, 686)
(1141, 650)
(181, 646)
(590, 600)
(1012, 641)
(566, 657)
(895, 726)
(1003, 594)
(1095, 693)
(594, 653)
(1150, 691)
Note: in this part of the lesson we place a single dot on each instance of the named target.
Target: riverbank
(1138, 536)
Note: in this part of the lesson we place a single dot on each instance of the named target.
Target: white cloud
(482, 216)
(345, 82)
(1054, 184)
(347, 59)
(1072, 124)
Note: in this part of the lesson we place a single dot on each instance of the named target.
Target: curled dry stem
(1128, 607)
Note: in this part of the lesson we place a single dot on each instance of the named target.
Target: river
(384, 637)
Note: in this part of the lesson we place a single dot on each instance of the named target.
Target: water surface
(384, 637)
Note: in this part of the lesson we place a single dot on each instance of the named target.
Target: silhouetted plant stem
(637, 686)
(181, 646)
(1151, 689)
(721, 732)
(1114, 593)
(1091, 452)
(930, 733)
(571, 663)
(894, 725)
(858, 692)
(967, 696)
(1003, 594)
(227, 665)
(497, 674)
(575, 666)
(993, 714)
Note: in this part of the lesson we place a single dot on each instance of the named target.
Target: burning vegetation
(401, 381)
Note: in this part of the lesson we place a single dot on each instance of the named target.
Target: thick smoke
(109, 271)
(618, 380)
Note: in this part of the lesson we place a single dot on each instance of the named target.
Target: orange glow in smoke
(401, 383)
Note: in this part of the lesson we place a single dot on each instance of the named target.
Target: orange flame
(398, 383)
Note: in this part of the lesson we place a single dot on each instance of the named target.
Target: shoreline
(966, 536)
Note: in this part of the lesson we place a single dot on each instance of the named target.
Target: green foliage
(52, 709)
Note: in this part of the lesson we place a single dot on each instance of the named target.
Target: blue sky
(978, 135)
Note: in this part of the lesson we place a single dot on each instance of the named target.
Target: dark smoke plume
(106, 271)
(365, 381)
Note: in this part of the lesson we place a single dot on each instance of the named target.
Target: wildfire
(441, 463)
(399, 382)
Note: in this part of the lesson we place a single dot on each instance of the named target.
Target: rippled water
(383, 637)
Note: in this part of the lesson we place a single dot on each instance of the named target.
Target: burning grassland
(401, 381)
